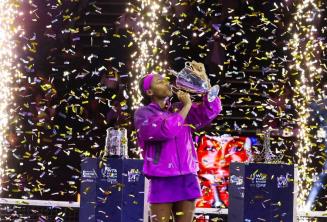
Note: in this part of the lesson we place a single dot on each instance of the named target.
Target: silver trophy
(188, 81)
(116, 143)
(266, 155)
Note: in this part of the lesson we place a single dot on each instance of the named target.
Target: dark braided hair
(146, 98)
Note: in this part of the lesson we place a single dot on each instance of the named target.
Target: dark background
(75, 81)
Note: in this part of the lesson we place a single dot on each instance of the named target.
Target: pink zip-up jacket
(166, 137)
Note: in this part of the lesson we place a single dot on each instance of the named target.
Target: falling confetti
(76, 79)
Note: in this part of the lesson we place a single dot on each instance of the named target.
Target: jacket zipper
(179, 164)
(157, 152)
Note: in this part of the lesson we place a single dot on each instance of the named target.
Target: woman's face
(160, 87)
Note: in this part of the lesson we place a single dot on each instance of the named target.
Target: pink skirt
(173, 189)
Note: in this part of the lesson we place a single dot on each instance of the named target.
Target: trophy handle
(213, 93)
(188, 65)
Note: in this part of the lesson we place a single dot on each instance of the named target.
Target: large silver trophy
(187, 80)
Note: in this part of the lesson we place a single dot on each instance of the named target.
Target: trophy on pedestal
(116, 143)
(267, 156)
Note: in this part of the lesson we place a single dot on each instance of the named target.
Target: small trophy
(189, 81)
(116, 143)
(267, 156)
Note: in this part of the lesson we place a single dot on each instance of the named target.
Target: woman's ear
(149, 92)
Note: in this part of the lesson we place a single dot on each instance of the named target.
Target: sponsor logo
(258, 179)
(237, 180)
(133, 175)
(109, 174)
(283, 180)
(89, 174)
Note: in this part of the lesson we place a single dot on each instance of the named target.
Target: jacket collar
(157, 106)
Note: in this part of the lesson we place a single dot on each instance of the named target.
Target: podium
(111, 191)
(261, 192)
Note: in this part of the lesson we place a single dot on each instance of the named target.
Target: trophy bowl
(187, 80)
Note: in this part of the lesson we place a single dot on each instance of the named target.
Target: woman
(170, 160)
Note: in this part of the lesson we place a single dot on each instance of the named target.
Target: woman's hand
(184, 97)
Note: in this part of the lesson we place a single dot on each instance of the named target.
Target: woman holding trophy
(164, 133)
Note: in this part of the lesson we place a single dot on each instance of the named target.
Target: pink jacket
(166, 138)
